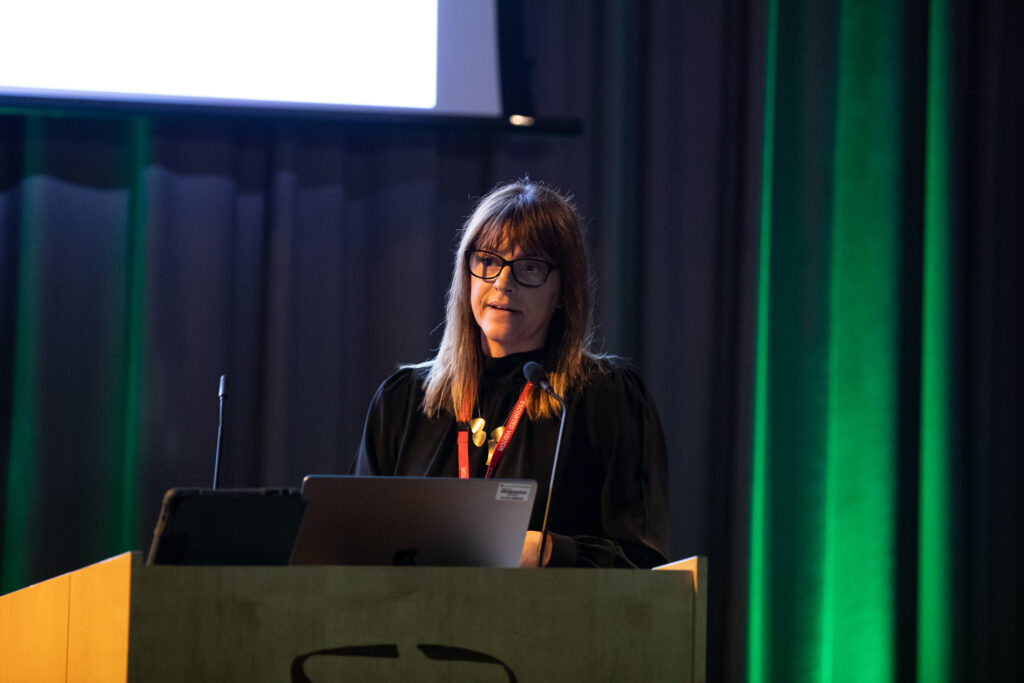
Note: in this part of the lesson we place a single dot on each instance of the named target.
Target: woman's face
(513, 318)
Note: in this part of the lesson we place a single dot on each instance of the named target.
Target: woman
(519, 293)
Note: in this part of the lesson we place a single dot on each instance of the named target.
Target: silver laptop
(430, 521)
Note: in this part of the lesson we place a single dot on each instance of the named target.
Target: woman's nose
(504, 281)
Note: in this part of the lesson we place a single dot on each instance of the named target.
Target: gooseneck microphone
(221, 395)
(535, 375)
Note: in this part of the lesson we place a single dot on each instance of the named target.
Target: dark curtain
(143, 255)
(987, 338)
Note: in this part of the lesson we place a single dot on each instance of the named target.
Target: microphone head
(534, 374)
(223, 386)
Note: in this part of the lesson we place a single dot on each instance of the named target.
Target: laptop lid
(414, 521)
(200, 526)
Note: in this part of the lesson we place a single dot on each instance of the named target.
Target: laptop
(427, 521)
(199, 526)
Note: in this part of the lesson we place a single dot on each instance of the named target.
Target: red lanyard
(499, 449)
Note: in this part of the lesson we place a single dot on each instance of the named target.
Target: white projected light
(309, 53)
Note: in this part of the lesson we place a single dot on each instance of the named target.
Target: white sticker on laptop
(517, 493)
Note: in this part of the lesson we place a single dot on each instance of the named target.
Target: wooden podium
(120, 620)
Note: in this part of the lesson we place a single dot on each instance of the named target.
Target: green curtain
(849, 463)
(103, 220)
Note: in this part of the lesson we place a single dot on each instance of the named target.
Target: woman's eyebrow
(524, 253)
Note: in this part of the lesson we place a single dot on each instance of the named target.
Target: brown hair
(538, 219)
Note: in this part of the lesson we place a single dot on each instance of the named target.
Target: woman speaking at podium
(520, 292)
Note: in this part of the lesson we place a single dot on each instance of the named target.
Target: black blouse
(610, 502)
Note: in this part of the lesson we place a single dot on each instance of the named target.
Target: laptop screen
(201, 526)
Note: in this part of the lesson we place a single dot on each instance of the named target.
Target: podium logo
(389, 651)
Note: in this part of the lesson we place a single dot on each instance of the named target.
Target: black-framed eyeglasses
(529, 272)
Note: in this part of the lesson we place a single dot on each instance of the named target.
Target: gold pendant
(477, 428)
(492, 443)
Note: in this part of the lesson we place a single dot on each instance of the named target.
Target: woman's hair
(539, 220)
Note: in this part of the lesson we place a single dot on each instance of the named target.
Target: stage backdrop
(804, 224)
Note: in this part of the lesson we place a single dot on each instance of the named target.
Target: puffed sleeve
(624, 433)
(385, 420)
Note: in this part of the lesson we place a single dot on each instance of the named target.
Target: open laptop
(201, 526)
(435, 521)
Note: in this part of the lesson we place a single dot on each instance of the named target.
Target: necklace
(498, 442)
(478, 434)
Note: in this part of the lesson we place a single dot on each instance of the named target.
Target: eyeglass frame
(511, 266)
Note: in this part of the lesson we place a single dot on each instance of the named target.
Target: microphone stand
(535, 374)
(551, 484)
(220, 428)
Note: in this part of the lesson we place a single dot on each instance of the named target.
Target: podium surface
(120, 620)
